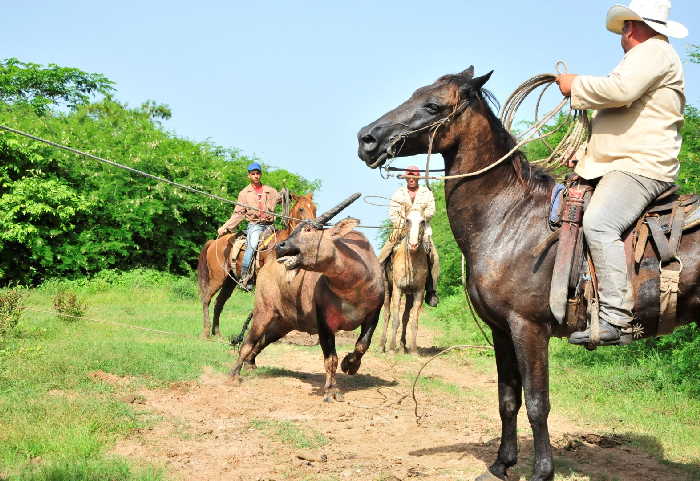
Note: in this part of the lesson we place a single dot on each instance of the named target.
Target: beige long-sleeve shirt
(636, 128)
(401, 203)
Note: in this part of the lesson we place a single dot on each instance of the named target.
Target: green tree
(43, 87)
(65, 215)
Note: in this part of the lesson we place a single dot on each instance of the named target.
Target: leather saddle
(239, 243)
(574, 282)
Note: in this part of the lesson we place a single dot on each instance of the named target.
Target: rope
(576, 135)
(130, 326)
(144, 174)
(415, 379)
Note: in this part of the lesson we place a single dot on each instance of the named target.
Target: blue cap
(254, 166)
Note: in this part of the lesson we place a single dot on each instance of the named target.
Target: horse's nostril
(368, 139)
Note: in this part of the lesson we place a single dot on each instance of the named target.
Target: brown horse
(498, 218)
(214, 269)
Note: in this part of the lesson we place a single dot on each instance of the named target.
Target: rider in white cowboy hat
(633, 149)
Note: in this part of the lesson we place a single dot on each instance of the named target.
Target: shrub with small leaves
(184, 289)
(11, 307)
(69, 306)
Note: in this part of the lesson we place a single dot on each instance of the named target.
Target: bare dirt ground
(275, 427)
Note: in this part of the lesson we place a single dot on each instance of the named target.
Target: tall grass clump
(11, 307)
(68, 306)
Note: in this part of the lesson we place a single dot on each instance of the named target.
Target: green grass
(290, 433)
(57, 419)
(633, 391)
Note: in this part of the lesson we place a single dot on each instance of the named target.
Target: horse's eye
(432, 108)
(301, 210)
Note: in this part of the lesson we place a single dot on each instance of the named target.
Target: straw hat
(652, 12)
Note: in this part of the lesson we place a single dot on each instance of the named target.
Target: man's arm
(235, 219)
(642, 68)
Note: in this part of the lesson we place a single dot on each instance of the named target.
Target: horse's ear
(310, 196)
(468, 72)
(294, 197)
(479, 82)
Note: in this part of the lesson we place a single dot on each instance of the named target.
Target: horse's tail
(236, 340)
(203, 270)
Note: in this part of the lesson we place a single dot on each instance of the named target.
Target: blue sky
(292, 82)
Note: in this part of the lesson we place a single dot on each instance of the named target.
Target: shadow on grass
(606, 458)
(358, 382)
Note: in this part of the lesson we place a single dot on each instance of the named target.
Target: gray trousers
(616, 204)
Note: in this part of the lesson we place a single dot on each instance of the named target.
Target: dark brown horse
(498, 219)
(214, 269)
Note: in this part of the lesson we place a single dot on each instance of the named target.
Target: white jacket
(401, 203)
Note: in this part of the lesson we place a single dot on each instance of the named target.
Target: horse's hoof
(251, 365)
(236, 380)
(338, 396)
(488, 476)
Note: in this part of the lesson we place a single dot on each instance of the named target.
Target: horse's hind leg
(224, 294)
(413, 320)
(206, 323)
(387, 319)
(509, 401)
(351, 362)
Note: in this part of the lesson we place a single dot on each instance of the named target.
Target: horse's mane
(534, 177)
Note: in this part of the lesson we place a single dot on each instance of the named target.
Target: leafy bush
(183, 288)
(11, 307)
(69, 306)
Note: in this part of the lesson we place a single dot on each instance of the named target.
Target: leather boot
(609, 335)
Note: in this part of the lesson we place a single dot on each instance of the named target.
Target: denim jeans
(616, 204)
(253, 234)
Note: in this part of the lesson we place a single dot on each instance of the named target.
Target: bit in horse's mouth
(379, 161)
(290, 262)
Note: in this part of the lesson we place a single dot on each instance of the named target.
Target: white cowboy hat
(652, 12)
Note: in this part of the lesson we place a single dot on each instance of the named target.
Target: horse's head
(407, 129)
(303, 208)
(414, 228)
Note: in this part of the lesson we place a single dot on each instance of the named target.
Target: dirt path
(275, 427)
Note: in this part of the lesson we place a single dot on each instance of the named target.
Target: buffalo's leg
(330, 361)
(263, 332)
(509, 402)
(531, 340)
(265, 341)
(224, 294)
(351, 362)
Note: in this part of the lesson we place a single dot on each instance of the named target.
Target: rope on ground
(130, 326)
(415, 379)
(144, 174)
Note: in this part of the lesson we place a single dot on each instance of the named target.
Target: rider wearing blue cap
(255, 204)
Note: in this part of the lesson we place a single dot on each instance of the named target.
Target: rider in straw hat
(633, 149)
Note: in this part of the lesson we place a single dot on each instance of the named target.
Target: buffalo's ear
(468, 72)
(344, 227)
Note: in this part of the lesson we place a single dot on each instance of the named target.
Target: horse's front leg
(531, 340)
(509, 402)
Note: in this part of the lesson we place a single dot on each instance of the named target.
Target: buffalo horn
(328, 215)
